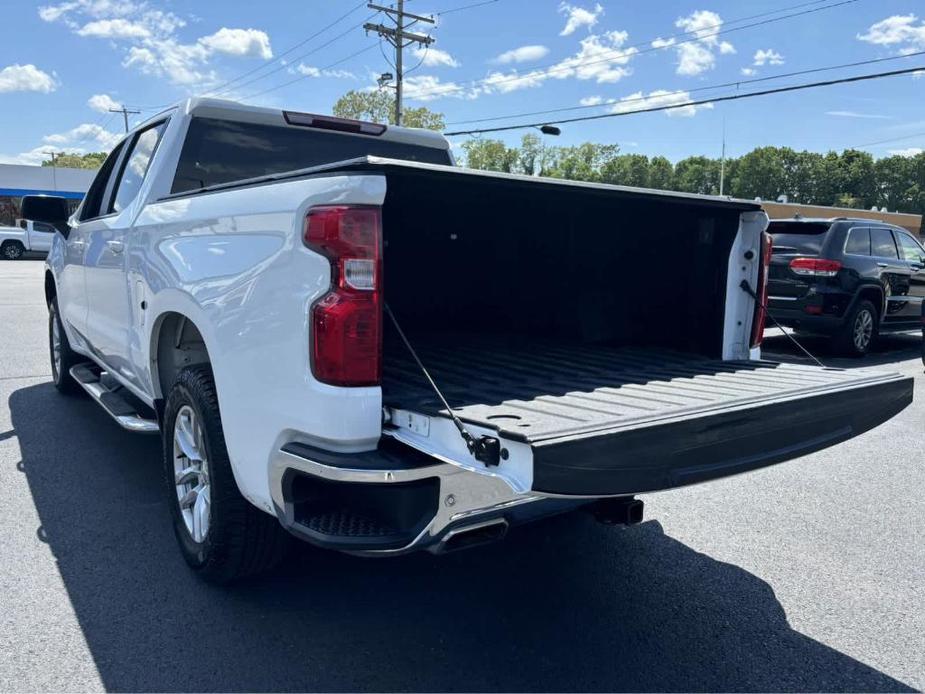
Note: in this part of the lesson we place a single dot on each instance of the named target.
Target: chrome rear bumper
(463, 503)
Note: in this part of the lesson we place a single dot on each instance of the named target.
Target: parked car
(30, 236)
(848, 279)
(340, 334)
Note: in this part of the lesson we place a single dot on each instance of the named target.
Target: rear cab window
(219, 151)
(798, 238)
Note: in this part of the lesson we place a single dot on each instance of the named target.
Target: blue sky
(62, 65)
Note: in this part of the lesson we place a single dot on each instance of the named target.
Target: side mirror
(46, 208)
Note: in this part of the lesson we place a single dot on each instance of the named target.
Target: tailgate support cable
(747, 288)
(485, 449)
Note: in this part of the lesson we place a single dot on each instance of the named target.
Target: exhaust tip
(474, 535)
(618, 511)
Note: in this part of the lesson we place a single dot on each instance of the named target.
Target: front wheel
(860, 330)
(12, 250)
(222, 536)
(62, 356)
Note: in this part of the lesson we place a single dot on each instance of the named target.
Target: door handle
(115, 245)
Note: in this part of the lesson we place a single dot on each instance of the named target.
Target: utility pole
(722, 162)
(400, 39)
(124, 111)
(54, 166)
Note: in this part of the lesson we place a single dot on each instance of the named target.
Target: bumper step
(108, 394)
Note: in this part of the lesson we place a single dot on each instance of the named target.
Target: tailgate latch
(485, 449)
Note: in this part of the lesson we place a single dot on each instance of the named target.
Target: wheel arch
(176, 342)
(874, 294)
(51, 289)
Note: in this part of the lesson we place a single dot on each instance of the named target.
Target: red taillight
(347, 321)
(815, 267)
(761, 314)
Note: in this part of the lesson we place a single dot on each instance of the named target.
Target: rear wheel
(12, 250)
(859, 331)
(62, 356)
(222, 536)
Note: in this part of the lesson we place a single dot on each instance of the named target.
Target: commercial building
(784, 210)
(18, 180)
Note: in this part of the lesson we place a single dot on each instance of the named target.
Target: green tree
(895, 182)
(661, 174)
(697, 175)
(491, 155)
(583, 162)
(627, 170)
(379, 107)
(858, 171)
(760, 173)
(91, 160)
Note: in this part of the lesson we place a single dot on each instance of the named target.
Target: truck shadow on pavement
(561, 605)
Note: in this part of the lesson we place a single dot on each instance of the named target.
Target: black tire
(848, 341)
(61, 368)
(12, 250)
(241, 540)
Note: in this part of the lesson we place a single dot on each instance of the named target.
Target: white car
(33, 237)
(339, 334)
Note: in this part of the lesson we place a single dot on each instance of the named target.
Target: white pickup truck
(340, 334)
(30, 236)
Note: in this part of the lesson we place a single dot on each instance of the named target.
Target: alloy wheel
(55, 346)
(191, 473)
(863, 330)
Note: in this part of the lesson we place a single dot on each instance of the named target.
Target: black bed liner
(608, 420)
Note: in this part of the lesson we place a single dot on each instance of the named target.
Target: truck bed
(611, 420)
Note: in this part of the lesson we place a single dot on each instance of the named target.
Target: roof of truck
(222, 108)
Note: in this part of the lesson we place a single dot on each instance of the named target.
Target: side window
(912, 251)
(136, 166)
(93, 201)
(881, 243)
(858, 242)
(43, 226)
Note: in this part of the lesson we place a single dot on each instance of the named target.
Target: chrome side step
(91, 379)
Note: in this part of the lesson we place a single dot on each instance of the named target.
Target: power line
(400, 38)
(894, 139)
(620, 53)
(298, 58)
(736, 83)
(125, 111)
(719, 99)
(302, 77)
(479, 4)
(289, 50)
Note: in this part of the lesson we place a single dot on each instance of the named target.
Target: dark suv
(850, 279)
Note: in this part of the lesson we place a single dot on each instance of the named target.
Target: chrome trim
(783, 298)
(463, 494)
(138, 425)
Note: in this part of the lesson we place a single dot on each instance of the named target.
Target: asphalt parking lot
(806, 576)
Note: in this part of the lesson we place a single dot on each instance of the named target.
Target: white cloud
(749, 71)
(26, 78)
(855, 114)
(310, 71)
(429, 87)
(662, 43)
(898, 30)
(86, 137)
(660, 98)
(601, 58)
(523, 54)
(591, 101)
(434, 57)
(149, 38)
(251, 43)
(767, 57)
(101, 103)
(114, 29)
(578, 17)
(697, 55)
(907, 152)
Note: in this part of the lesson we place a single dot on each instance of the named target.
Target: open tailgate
(630, 421)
